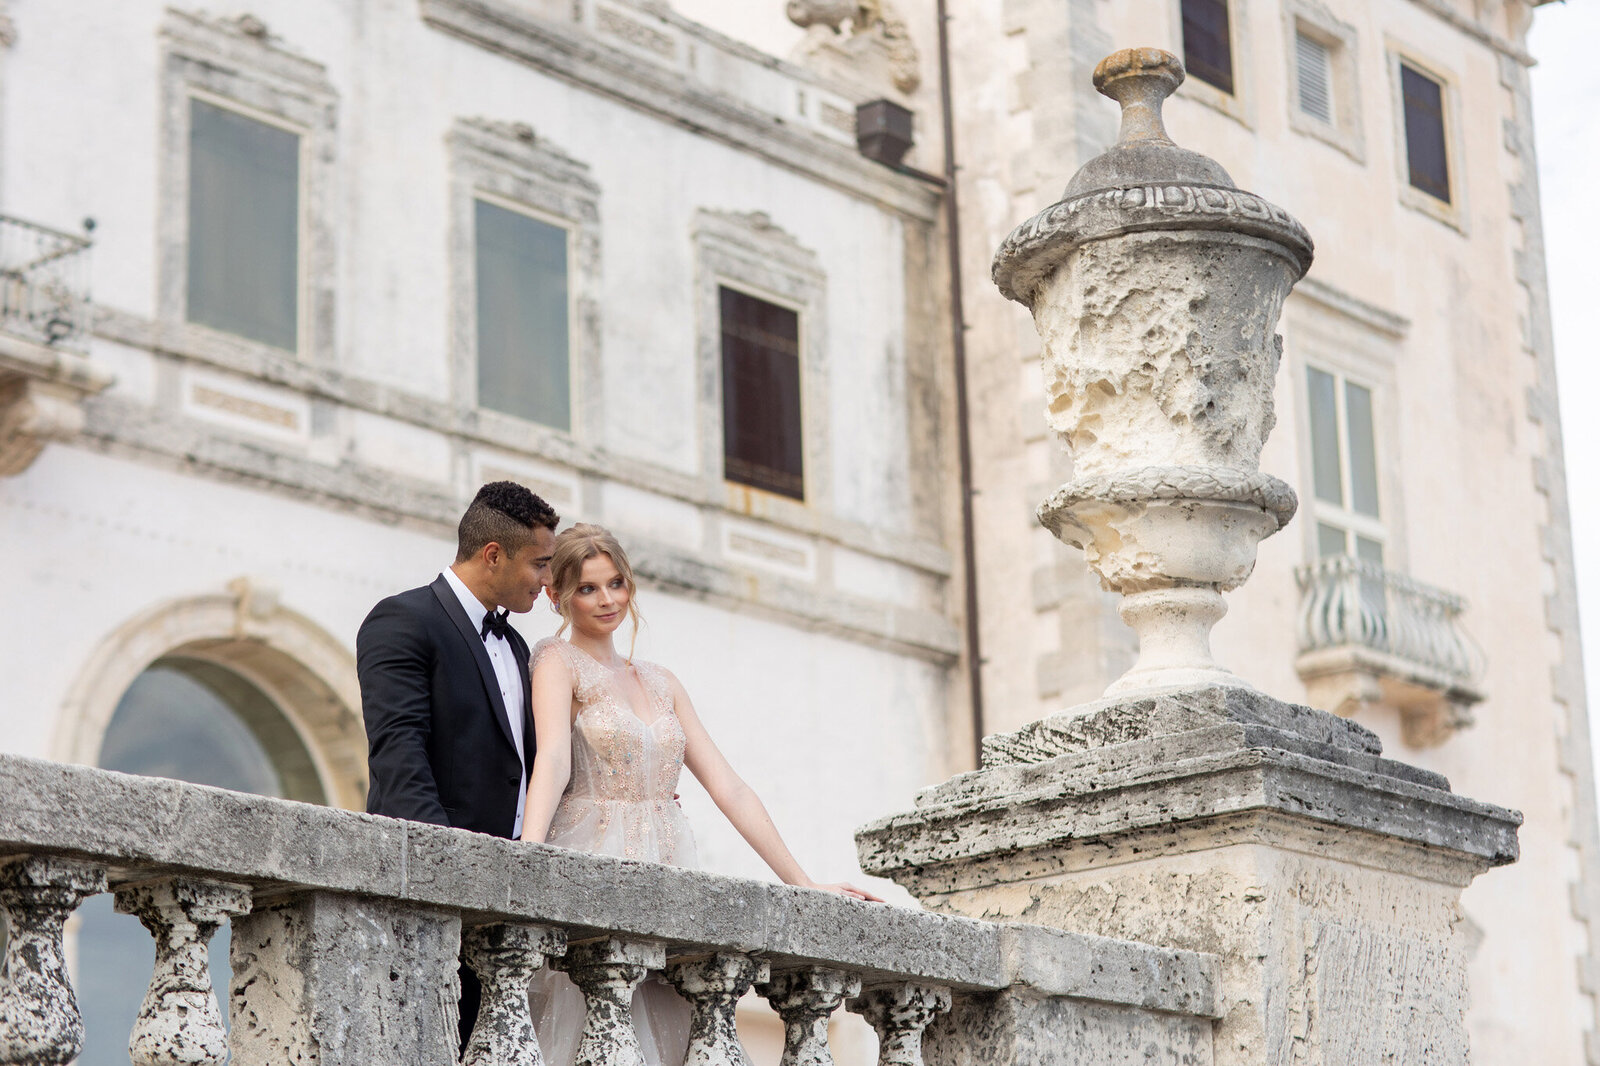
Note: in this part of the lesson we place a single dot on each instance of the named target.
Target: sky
(1566, 116)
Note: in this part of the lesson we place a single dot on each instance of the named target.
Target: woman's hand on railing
(844, 888)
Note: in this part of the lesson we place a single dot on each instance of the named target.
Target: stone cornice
(579, 57)
(1477, 32)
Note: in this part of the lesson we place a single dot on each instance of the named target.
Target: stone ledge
(140, 827)
(1141, 776)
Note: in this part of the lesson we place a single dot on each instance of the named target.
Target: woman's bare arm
(739, 802)
(552, 757)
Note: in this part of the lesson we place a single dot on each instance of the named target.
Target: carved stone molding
(877, 54)
(42, 390)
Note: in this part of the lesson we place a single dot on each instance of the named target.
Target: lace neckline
(611, 675)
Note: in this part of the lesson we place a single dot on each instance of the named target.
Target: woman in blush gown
(613, 735)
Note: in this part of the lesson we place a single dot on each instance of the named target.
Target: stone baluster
(39, 1020)
(713, 987)
(899, 1014)
(180, 1021)
(505, 956)
(607, 971)
(804, 999)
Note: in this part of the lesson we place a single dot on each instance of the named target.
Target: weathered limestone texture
(899, 1014)
(505, 956)
(327, 979)
(804, 999)
(713, 987)
(1186, 809)
(606, 972)
(1275, 836)
(39, 1020)
(1156, 285)
(179, 1021)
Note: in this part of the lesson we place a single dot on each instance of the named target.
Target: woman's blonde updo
(575, 546)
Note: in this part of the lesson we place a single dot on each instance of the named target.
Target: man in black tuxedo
(444, 680)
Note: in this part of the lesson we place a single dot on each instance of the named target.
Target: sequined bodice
(619, 799)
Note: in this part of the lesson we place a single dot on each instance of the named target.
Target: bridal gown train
(619, 801)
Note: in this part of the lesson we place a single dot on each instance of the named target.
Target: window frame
(1454, 213)
(508, 166)
(1327, 329)
(1238, 105)
(1343, 514)
(747, 253)
(235, 65)
(1315, 21)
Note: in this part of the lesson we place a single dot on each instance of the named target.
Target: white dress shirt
(505, 671)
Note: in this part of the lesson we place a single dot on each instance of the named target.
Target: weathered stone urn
(1156, 285)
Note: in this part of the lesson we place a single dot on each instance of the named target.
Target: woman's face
(601, 600)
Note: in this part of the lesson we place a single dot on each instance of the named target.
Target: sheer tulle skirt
(653, 831)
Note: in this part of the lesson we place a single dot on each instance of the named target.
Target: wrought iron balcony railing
(44, 284)
(1346, 602)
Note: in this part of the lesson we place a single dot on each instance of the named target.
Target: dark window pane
(1325, 479)
(522, 317)
(244, 226)
(761, 441)
(1363, 452)
(1425, 148)
(1207, 50)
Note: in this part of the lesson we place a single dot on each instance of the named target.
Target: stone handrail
(44, 283)
(1347, 602)
(348, 928)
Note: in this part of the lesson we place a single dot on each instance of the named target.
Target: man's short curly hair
(503, 513)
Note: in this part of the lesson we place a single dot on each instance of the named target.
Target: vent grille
(1314, 70)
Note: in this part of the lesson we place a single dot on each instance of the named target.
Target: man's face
(520, 578)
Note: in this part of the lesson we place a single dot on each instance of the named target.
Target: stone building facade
(207, 505)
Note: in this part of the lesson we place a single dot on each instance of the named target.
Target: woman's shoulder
(552, 648)
(655, 672)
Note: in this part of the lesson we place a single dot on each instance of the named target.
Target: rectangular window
(1426, 155)
(1313, 64)
(762, 445)
(244, 226)
(1344, 467)
(523, 348)
(1207, 46)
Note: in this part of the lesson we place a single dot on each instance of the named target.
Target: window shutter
(1423, 100)
(761, 438)
(1207, 47)
(1314, 76)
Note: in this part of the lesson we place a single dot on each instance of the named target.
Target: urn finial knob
(1140, 79)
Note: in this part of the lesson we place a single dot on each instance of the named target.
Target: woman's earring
(555, 608)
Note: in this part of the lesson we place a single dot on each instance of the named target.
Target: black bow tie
(495, 622)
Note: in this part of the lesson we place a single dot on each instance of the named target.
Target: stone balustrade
(1369, 635)
(348, 930)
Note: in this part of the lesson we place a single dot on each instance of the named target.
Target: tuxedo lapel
(480, 655)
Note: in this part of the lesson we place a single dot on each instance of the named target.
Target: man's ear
(491, 554)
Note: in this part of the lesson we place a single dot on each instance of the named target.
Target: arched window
(193, 720)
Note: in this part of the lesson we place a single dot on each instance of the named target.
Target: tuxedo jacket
(439, 745)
